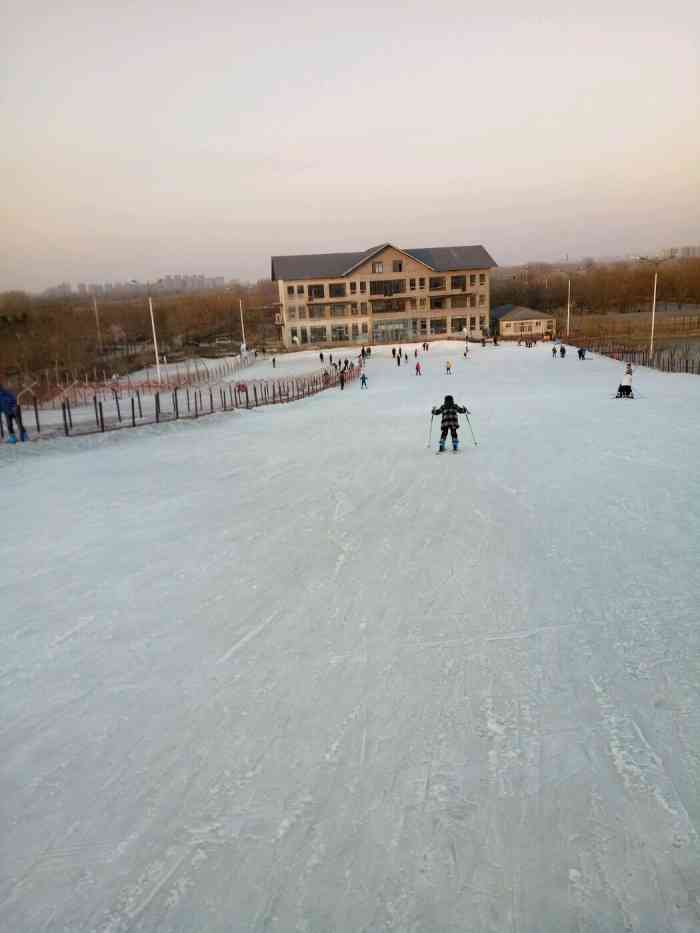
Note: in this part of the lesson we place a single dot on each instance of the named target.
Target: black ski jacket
(449, 415)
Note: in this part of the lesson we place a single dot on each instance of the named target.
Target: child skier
(363, 381)
(418, 370)
(450, 421)
(624, 390)
(448, 367)
(10, 409)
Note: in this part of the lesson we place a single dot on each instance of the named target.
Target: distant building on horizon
(383, 294)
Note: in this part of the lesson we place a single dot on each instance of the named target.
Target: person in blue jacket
(10, 409)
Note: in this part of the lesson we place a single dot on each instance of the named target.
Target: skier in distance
(624, 390)
(450, 421)
(10, 409)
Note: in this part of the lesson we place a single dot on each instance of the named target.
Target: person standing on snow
(624, 390)
(448, 367)
(419, 371)
(554, 353)
(11, 410)
(342, 379)
(398, 359)
(393, 352)
(363, 381)
(562, 351)
(450, 421)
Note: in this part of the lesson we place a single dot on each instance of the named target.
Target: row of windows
(387, 329)
(338, 289)
(299, 312)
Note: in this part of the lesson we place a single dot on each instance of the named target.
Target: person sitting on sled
(11, 410)
(450, 420)
(624, 390)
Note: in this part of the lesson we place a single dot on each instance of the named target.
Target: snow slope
(289, 670)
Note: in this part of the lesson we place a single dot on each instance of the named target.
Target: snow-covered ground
(288, 670)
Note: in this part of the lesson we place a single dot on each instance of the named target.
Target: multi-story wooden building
(384, 294)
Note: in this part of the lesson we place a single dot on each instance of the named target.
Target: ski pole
(471, 429)
(430, 432)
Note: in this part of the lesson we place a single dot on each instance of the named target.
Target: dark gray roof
(449, 258)
(336, 265)
(524, 314)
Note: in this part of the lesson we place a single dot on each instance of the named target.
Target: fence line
(665, 359)
(186, 402)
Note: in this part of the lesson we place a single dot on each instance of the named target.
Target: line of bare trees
(599, 288)
(39, 334)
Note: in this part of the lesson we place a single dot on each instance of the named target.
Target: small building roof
(519, 313)
(337, 265)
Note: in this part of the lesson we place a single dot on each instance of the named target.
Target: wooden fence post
(36, 415)
(133, 412)
(102, 418)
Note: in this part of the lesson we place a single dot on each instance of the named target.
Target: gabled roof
(519, 313)
(337, 265)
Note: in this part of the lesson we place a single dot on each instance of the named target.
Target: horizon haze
(154, 139)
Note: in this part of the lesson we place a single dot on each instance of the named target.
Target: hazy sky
(146, 138)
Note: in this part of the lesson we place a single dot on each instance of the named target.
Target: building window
(290, 289)
(397, 266)
(412, 304)
(482, 320)
(472, 280)
(365, 328)
(482, 278)
(292, 314)
(363, 287)
(300, 289)
(336, 291)
(363, 307)
(421, 283)
(377, 267)
(316, 291)
(412, 283)
(436, 283)
(507, 325)
(353, 288)
(302, 312)
(438, 326)
(355, 330)
(317, 334)
(304, 335)
(472, 323)
(459, 301)
(294, 333)
(339, 332)
(482, 299)
(422, 302)
(472, 301)
(353, 307)
(387, 287)
(338, 311)
(437, 303)
(458, 324)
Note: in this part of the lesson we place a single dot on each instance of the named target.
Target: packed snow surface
(289, 670)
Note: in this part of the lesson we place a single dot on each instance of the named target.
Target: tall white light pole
(155, 338)
(656, 263)
(240, 305)
(568, 309)
(97, 322)
(653, 313)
